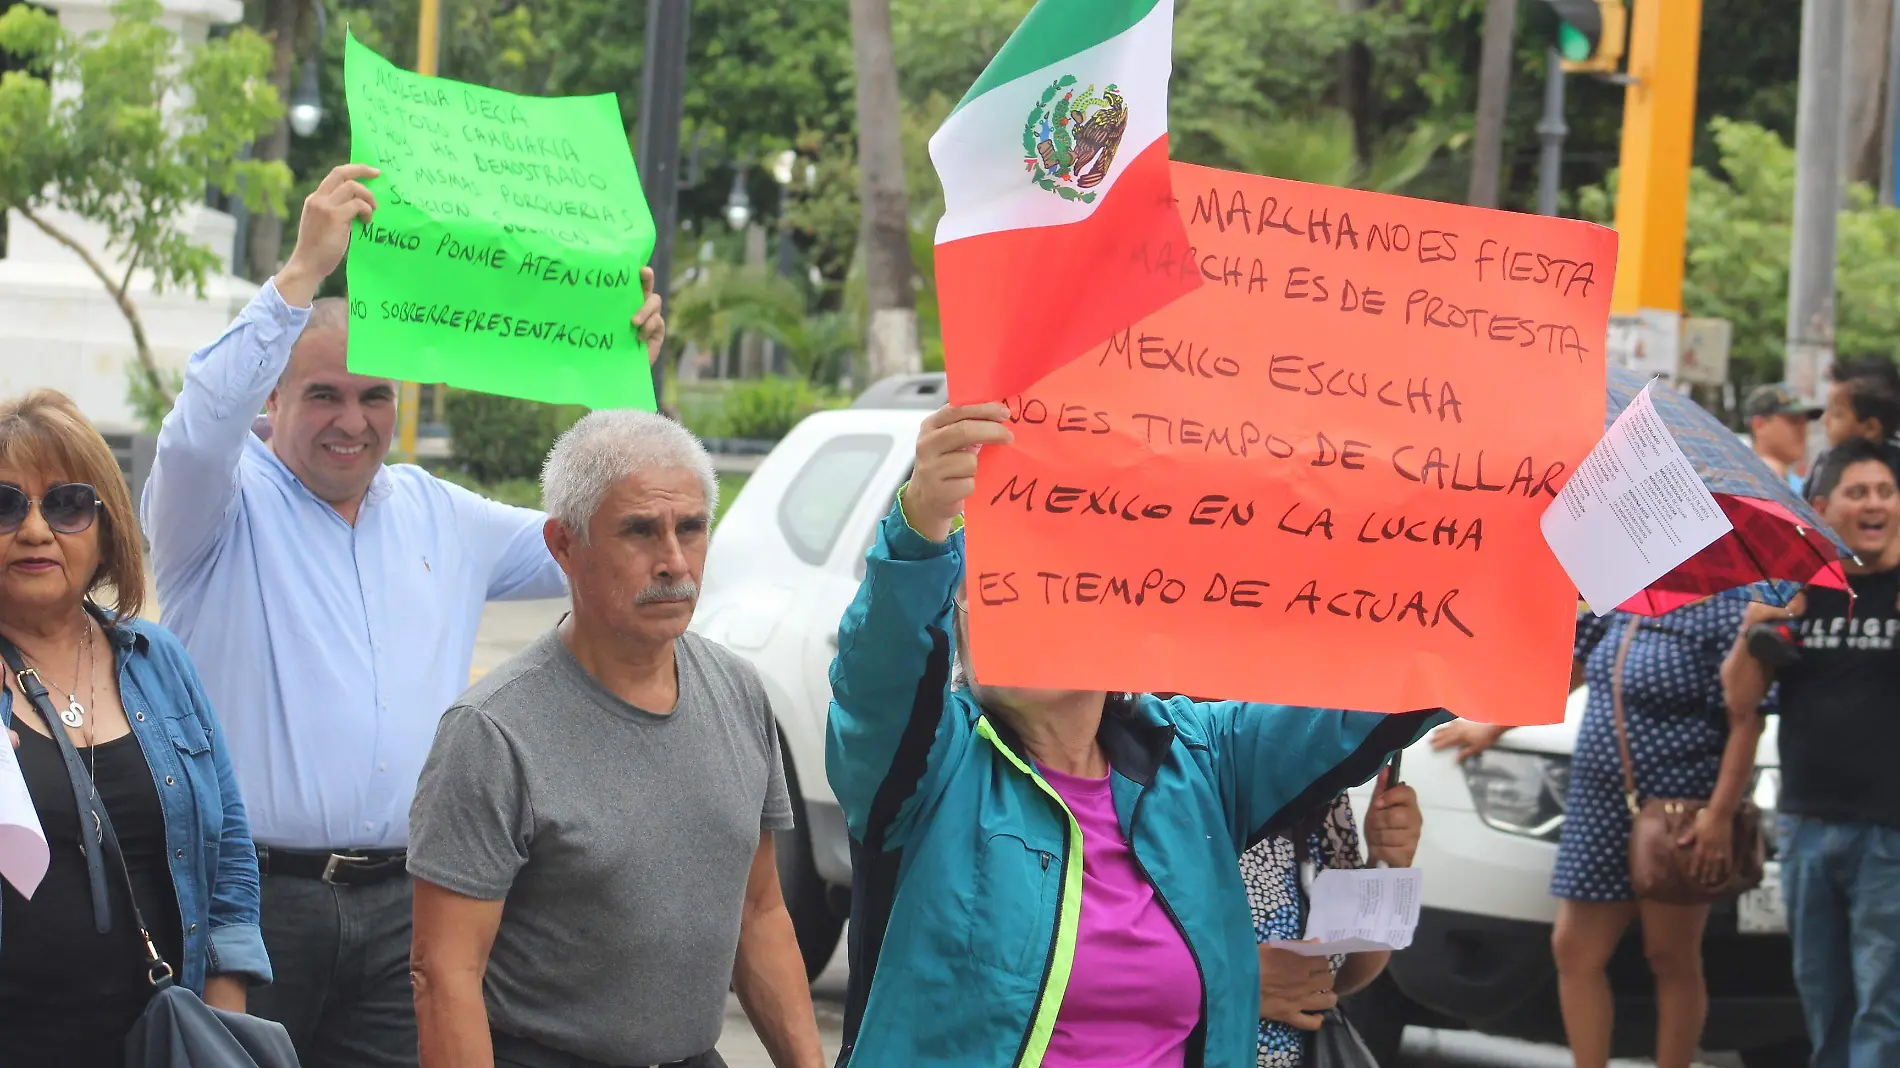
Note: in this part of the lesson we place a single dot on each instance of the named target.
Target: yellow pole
(426, 37)
(409, 410)
(1652, 200)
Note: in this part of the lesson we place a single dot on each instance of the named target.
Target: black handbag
(1338, 1045)
(177, 1029)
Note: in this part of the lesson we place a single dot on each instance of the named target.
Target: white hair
(607, 446)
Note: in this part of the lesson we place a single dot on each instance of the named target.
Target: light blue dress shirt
(329, 650)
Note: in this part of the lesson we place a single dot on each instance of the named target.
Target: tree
(726, 301)
(1325, 149)
(1740, 231)
(1865, 82)
(134, 144)
(891, 347)
(1355, 85)
(287, 18)
(773, 74)
(1494, 93)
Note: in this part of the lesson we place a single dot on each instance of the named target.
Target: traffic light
(1591, 34)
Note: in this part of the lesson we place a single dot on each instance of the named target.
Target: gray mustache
(673, 591)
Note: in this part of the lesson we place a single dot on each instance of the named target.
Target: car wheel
(1379, 1013)
(816, 924)
(1790, 1054)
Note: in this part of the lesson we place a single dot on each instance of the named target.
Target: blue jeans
(1842, 886)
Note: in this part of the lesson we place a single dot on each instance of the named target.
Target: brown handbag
(1659, 868)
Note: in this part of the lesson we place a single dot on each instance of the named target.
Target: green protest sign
(508, 238)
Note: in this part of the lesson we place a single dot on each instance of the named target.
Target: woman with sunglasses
(1052, 872)
(74, 975)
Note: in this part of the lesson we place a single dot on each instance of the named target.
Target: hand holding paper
(1293, 988)
(1359, 911)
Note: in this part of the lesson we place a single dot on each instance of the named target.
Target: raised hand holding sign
(1317, 479)
(506, 250)
(338, 204)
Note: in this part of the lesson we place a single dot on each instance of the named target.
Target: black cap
(1777, 399)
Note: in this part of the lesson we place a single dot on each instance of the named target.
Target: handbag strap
(88, 802)
(1616, 706)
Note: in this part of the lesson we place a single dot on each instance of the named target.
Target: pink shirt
(1134, 993)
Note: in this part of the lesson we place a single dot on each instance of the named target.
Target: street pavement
(507, 626)
(741, 1047)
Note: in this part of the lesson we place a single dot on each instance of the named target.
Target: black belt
(350, 867)
(535, 1055)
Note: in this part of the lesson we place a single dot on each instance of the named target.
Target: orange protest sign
(1316, 479)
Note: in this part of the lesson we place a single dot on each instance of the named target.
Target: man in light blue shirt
(331, 604)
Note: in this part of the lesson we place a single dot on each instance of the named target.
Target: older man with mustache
(331, 604)
(592, 836)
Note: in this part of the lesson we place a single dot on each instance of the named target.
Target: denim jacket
(213, 864)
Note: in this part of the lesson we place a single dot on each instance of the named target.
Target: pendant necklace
(75, 714)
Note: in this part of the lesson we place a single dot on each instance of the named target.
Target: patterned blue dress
(1271, 870)
(1678, 724)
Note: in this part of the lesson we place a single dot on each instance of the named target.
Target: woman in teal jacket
(1047, 877)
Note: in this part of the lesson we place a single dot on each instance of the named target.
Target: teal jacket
(968, 867)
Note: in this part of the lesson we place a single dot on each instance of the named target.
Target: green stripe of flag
(1055, 29)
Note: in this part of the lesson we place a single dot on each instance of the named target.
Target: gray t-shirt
(620, 839)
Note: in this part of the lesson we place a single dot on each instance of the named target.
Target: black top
(1840, 707)
(68, 994)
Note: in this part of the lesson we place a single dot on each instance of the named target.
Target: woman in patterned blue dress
(1678, 730)
(1275, 871)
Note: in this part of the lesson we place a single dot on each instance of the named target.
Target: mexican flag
(1056, 194)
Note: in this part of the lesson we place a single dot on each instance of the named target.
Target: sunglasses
(68, 508)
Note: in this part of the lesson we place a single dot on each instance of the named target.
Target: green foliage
(730, 483)
(1741, 230)
(767, 409)
(143, 136)
(762, 74)
(761, 409)
(1321, 149)
(520, 492)
(825, 215)
(726, 301)
(942, 48)
(1252, 59)
(147, 129)
(1254, 87)
(501, 438)
(148, 403)
(698, 405)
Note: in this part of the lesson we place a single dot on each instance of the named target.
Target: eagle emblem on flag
(1071, 138)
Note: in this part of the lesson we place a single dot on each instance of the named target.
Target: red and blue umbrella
(1778, 543)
